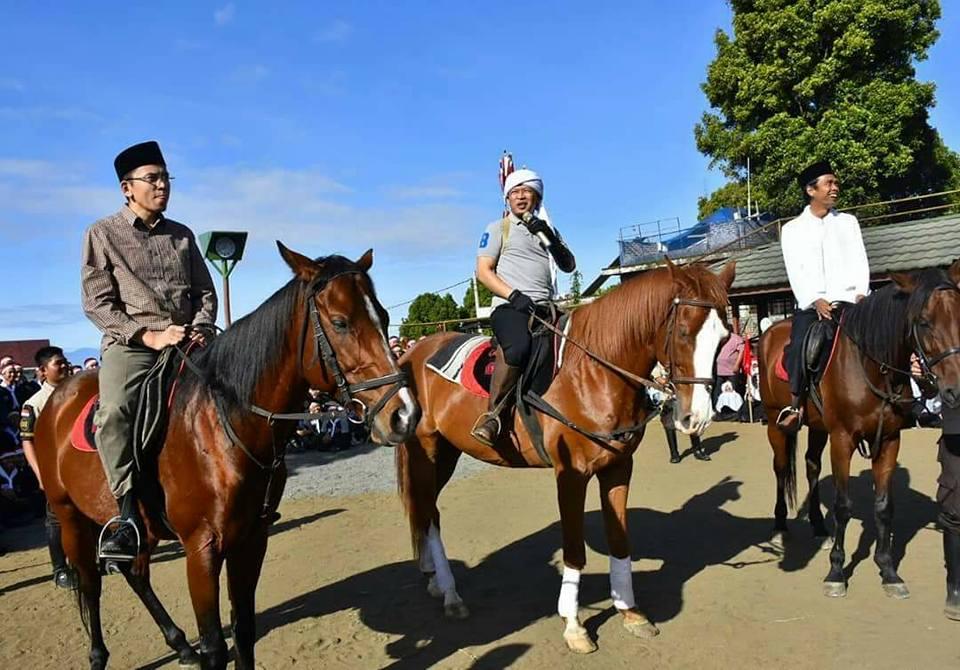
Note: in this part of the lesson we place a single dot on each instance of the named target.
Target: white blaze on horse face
(409, 408)
(705, 351)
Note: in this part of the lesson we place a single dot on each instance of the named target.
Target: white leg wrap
(443, 574)
(426, 557)
(568, 603)
(621, 583)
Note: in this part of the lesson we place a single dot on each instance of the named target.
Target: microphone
(529, 218)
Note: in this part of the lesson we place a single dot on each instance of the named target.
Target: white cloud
(304, 207)
(336, 32)
(424, 192)
(225, 14)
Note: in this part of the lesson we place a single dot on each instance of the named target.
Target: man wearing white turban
(515, 261)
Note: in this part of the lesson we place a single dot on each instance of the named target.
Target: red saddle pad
(81, 435)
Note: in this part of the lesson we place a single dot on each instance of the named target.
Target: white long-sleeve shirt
(825, 258)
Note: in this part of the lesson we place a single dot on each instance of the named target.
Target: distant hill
(77, 355)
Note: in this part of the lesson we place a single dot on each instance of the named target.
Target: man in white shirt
(826, 264)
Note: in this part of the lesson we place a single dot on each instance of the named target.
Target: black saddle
(816, 348)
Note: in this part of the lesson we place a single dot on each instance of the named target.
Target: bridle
(323, 352)
(926, 362)
(675, 306)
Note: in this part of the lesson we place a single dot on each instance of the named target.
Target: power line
(445, 288)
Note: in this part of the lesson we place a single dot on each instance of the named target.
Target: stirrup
(481, 420)
(790, 410)
(109, 557)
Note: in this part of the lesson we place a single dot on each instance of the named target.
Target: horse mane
(880, 323)
(235, 362)
(632, 313)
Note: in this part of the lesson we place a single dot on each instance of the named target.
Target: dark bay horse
(863, 393)
(325, 329)
(675, 315)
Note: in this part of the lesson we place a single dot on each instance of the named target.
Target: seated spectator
(729, 360)
(729, 402)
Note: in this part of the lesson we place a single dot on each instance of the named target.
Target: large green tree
(428, 308)
(805, 80)
(483, 292)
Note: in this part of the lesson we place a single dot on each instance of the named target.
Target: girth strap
(603, 439)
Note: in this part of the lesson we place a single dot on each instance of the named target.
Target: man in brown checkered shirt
(144, 282)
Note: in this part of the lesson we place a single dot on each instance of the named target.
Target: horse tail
(790, 479)
(405, 488)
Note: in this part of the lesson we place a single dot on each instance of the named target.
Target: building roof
(891, 248)
(22, 350)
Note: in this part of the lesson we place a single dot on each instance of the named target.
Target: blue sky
(338, 127)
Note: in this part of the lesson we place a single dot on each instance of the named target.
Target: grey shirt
(522, 263)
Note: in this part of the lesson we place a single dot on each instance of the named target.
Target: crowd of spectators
(21, 500)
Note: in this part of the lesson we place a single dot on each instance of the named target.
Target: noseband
(675, 306)
(926, 362)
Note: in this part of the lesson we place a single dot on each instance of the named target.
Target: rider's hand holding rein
(824, 309)
(161, 339)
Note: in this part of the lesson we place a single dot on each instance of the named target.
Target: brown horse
(222, 481)
(866, 397)
(675, 315)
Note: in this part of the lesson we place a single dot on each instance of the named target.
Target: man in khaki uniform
(55, 368)
(146, 287)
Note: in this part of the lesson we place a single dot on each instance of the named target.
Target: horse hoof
(434, 590)
(456, 611)
(189, 659)
(579, 642)
(642, 629)
(897, 591)
(834, 589)
(825, 542)
(780, 539)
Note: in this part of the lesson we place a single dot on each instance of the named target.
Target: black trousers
(802, 321)
(513, 334)
(948, 491)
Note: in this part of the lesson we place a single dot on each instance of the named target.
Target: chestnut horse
(866, 396)
(325, 329)
(675, 315)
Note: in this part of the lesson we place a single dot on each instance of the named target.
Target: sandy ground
(339, 591)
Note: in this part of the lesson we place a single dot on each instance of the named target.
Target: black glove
(522, 302)
(536, 225)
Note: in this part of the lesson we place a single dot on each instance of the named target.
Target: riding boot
(123, 542)
(951, 557)
(698, 451)
(671, 434)
(63, 575)
(791, 417)
(502, 386)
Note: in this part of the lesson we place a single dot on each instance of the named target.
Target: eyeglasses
(153, 178)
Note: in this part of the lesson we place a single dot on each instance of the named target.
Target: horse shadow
(517, 585)
(914, 511)
(715, 443)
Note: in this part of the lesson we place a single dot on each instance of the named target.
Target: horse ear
(304, 268)
(954, 272)
(366, 261)
(671, 267)
(905, 282)
(728, 273)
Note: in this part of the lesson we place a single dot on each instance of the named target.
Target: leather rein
(605, 440)
(894, 396)
(323, 352)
